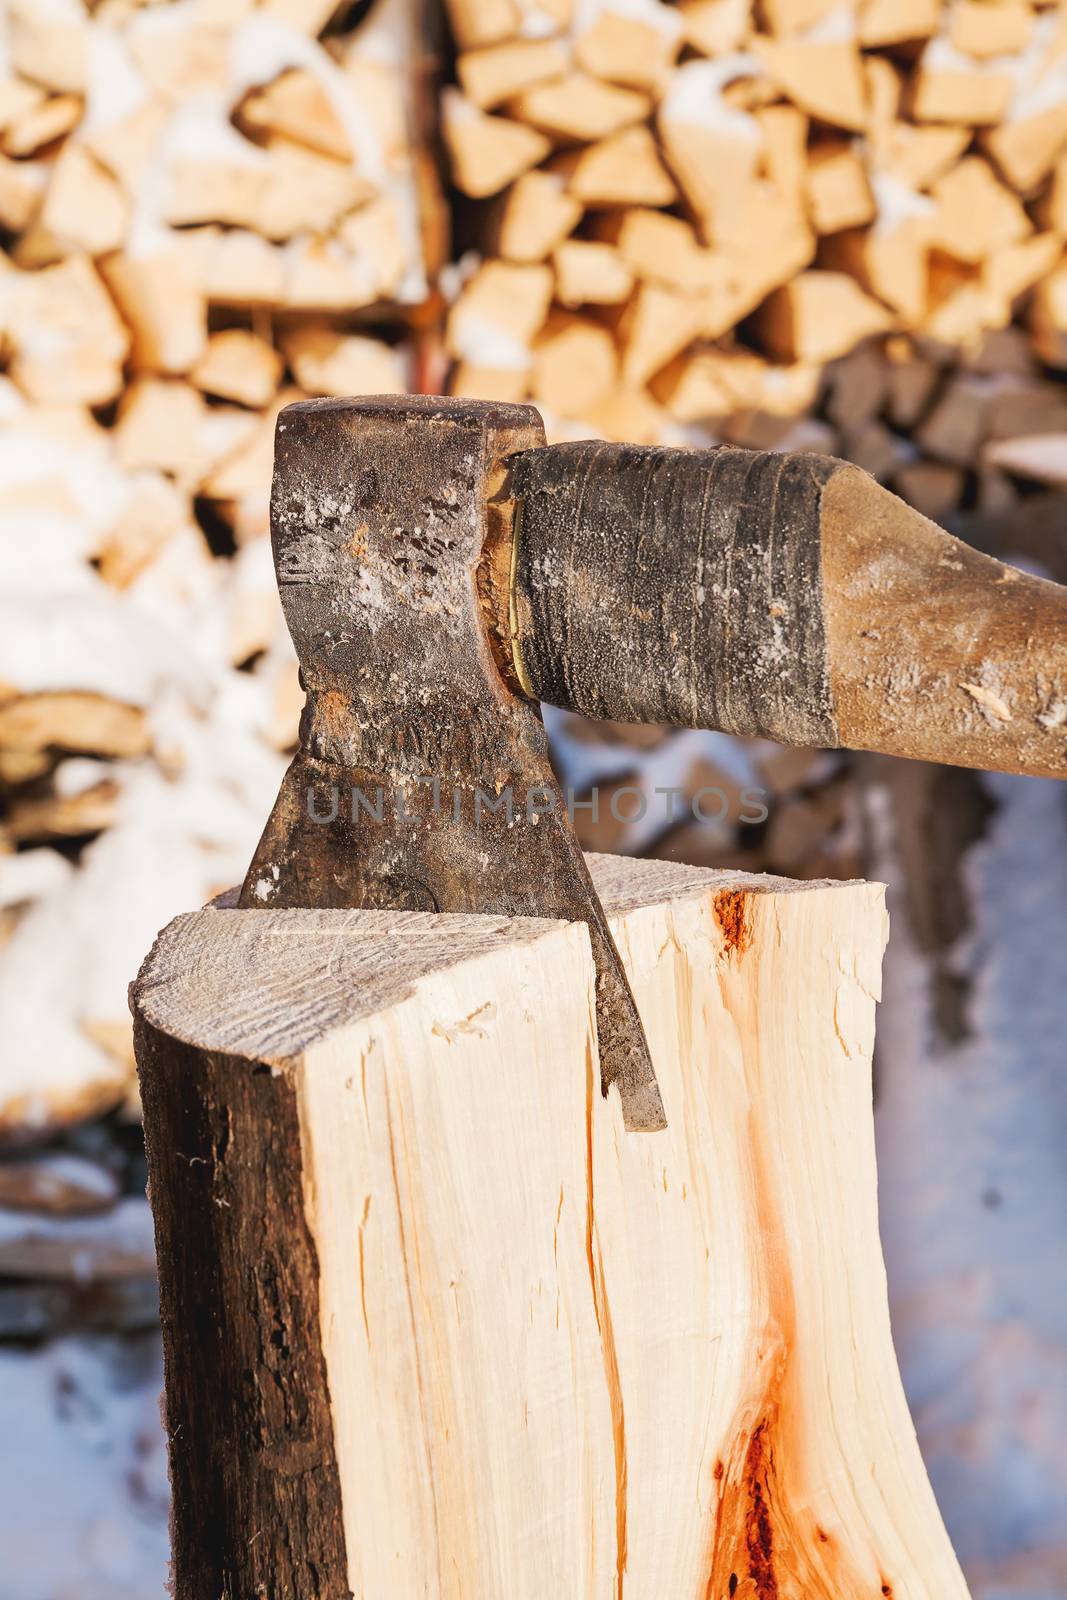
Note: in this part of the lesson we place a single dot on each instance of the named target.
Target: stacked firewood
(784, 224)
(685, 211)
(208, 210)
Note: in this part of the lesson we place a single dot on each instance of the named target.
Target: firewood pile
(208, 209)
(685, 211)
(794, 224)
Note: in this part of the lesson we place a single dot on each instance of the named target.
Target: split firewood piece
(328, 362)
(890, 261)
(795, 16)
(478, 381)
(720, 383)
(948, 86)
(661, 247)
(21, 186)
(114, 1244)
(41, 123)
(1010, 271)
(825, 80)
(492, 75)
(66, 339)
(890, 22)
(483, 22)
(911, 380)
(953, 430)
(714, 149)
(238, 365)
(984, 30)
(164, 424)
(498, 313)
(155, 512)
(916, 156)
(628, 416)
(1025, 148)
(296, 106)
(486, 153)
(818, 316)
(715, 27)
(589, 272)
(932, 487)
(975, 214)
(421, 1108)
(58, 814)
(785, 153)
(84, 208)
(838, 193)
(73, 721)
(579, 108)
(163, 305)
(535, 215)
(574, 365)
(58, 1185)
(657, 325)
(634, 45)
(625, 169)
(1042, 458)
(1048, 318)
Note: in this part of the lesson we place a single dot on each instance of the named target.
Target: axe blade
(423, 779)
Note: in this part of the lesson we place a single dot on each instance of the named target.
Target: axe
(443, 570)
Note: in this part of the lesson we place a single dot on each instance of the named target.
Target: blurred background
(781, 223)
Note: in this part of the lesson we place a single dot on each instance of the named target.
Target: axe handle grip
(788, 596)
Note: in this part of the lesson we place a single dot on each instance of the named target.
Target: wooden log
(631, 46)
(491, 76)
(817, 316)
(435, 1323)
(589, 272)
(578, 108)
(535, 215)
(574, 365)
(715, 27)
(625, 169)
(238, 365)
(486, 153)
(164, 307)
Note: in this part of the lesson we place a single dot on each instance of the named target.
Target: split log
(434, 1321)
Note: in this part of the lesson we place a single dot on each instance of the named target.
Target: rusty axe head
(422, 779)
(442, 570)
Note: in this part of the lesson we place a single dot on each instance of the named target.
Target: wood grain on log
(436, 1324)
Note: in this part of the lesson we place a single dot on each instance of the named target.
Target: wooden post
(436, 1325)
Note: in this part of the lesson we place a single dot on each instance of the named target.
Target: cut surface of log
(485, 1341)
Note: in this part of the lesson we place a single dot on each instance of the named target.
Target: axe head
(422, 780)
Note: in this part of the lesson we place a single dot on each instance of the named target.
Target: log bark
(436, 1325)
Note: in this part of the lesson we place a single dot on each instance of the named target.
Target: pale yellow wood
(495, 73)
(839, 195)
(574, 365)
(535, 214)
(589, 272)
(486, 153)
(818, 316)
(561, 1358)
(716, 27)
(632, 48)
(579, 107)
(238, 365)
(625, 169)
(164, 307)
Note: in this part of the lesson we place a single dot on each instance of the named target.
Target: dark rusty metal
(422, 778)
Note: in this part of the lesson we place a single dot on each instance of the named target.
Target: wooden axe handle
(788, 596)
